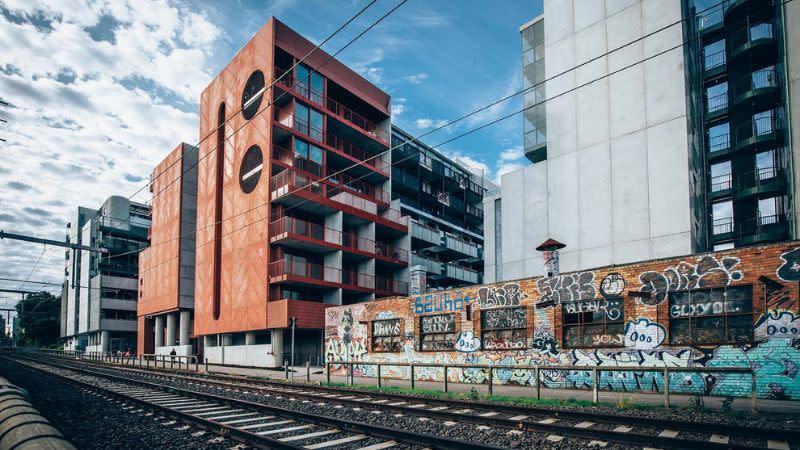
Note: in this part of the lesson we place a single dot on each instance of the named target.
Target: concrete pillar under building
(104, 340)
(172, 319)
(250, 338)
(159, 331)
(277, 346)
(184, 328)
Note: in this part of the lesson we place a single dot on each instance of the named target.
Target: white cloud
(374, 74)
(398, 106)
(505, 168)
(512, 154)
(416, 78)
(102, 129)
(424, 123)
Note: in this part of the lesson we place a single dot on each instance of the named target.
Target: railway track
(597, 429)
(256, 424)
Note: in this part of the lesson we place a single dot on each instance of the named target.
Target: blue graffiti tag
(441, 302)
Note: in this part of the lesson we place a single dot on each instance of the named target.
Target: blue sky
(101, 90)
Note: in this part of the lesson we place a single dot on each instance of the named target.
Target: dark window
(251, 168)
(437, 332)
(594, 323)
(386, 336)
(252, 95)
(505, 328)
(711, 316)
(263, 337)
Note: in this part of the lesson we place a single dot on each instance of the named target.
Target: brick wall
(736, 308)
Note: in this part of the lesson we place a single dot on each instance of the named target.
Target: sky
(100, 91)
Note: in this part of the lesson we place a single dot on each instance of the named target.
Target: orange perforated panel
(243, 253)
(159, 264)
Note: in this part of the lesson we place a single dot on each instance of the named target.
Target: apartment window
(386, 336)
(724, 246)
(714, 55)
(717, 97)
(722, 217)
(768, 209)
(766, 165)
(308, 121)
(263, 337)
(594, 323)
(711, 316)
(426, 188)
(309, 84)
(308, 157)
(437, 333)
(763, 122)
(719, 137)
(721, 178)
(504, 328)
(760, 31)
(766, 77)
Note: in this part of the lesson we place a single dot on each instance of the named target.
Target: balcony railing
(717, 103)
(759, 177)
(431, 265)
(461, 246)
(289, 158)
(721, 183)
(425, 233)
(299, 227)
(760, 126)
(475, 211)
(462, 273)
(360, 280)
(763, 78)
(301, 269)
(356, 119)
(722, 226)
(714, 60)
(332, 140)
(719, 143)
(389, 286)
(388, 250)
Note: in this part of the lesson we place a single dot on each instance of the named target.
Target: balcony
(711, 20)
(761, 132)
(760, 88)
(340, 150)
(454, 246)
(714, 64)
(343, 113)
(719, 145)
(297, 189)
(767, 180)
(716, 106)
(721, 186)
(432, 266)
(475, 213)
(758, 40)
(425, 233)
(389, 286)
(462, 274)
(762, 229)
(391, 252)
(402, 180)
(293, 272)
(722, 229)
(296, 233)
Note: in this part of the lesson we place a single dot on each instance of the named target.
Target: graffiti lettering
(337, 350)
(544, 343)
(790, 269)
(612, 308)
(493, 319)
(644, 334)
(607, 339)
(389, 327)
(494, 297)
(612, 285)
(441, 302)
(774, 325)
(708, 272)
(439, 324)
(467, 342)
(566, 288)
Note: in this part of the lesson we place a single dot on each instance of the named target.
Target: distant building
(445, 202)
(649, 148)
(98, 304)
(167, 268)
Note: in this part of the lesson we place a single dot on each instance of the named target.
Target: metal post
(196, 364)
(163, 362)
(753, 405)
(148, 362)
(206, 365)
(328, 372)
(491, 377)
(351, 374)
(412, 376)
(595, 392)
(538, 384)
(294, 325)
(666, 388)
(287, 371)
(308, 371)
(444, 375)
(379, 375)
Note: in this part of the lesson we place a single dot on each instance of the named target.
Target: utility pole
(293, 321)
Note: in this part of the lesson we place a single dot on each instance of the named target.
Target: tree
(39, 315)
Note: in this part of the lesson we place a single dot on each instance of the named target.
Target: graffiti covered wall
(736, 308)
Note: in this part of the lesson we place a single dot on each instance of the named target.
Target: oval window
(251, 168)
(252, 95)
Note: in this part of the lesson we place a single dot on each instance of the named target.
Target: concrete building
(274, 239)
(445, 203)
(98, 305)
(648, 154)
(167, 267)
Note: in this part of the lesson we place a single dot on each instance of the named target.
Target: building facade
(737, 308)
(99, 294)
(294, 205)
(444, 201)
(167, 267)
(637, 96)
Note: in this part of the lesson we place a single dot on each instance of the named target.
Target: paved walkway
(657, 399)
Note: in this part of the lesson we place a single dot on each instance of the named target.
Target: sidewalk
(645, 398)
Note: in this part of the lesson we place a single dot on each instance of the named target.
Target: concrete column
(172, 319)
(418, 281)
(184, 327)
(277, 346)
(250, 338)
(104, 340)
(159, 331)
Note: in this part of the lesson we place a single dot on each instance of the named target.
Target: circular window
(250, 170)
(252, 95)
